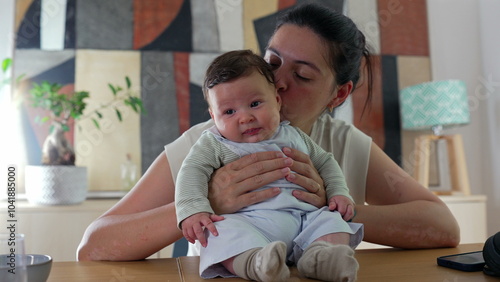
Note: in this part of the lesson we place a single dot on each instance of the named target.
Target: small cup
(12, 258)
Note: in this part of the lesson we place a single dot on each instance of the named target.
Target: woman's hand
(230, 184)
(307, 177)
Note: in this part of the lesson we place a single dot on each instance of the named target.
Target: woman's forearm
(415, 224)
(129, 236)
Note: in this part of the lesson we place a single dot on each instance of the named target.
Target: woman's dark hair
(345, 42)
(235, 64)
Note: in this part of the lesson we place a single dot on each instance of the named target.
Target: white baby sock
(267, 264)
(328, 262)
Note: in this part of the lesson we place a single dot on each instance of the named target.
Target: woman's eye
(255, 104)
(302, 77)
(274, 63)
(229, 112)
(274, 66)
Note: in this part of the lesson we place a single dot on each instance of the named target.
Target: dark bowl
(38, 267)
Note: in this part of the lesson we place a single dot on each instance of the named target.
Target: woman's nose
(280, 81)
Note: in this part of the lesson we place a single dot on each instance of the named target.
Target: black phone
(473, 261)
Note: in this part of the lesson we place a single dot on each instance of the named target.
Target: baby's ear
(210, 112)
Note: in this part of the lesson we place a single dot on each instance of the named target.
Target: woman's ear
(343, 92)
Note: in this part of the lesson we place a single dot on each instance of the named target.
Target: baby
(256, 242)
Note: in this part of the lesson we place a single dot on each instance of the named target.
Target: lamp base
(456, 161)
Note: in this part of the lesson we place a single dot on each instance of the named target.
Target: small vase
(56, 184)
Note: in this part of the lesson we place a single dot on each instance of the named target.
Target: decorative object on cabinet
(58, 181)
(437, 105)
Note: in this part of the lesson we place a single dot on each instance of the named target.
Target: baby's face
(245, 110)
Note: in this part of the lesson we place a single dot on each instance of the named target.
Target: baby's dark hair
(235, 64)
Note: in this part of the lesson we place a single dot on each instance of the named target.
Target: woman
(311, 78)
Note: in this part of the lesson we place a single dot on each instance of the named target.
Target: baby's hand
(343, 205)
(193, 227)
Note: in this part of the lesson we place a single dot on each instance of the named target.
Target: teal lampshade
(434, 104)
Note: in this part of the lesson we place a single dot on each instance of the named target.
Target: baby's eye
(229, 112)
(255, 104)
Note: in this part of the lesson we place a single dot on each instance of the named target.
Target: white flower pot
(56, 184)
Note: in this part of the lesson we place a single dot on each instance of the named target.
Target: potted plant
(58, 181)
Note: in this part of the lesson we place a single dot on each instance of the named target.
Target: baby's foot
(328, 262)
(269, 263)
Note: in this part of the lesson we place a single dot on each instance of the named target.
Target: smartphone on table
(473, 261)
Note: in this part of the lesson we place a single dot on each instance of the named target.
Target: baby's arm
(193, 209)
(193, 226)
(344, 205)
(334, 180)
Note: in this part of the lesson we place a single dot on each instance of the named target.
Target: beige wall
(455, 49)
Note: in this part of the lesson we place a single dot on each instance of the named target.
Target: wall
(164, 47)
(462, 47)
(490, 96)
(9, 126)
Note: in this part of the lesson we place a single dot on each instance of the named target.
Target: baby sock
(328, 262)
(263, 264)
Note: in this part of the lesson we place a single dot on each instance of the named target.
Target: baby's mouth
(252, 131)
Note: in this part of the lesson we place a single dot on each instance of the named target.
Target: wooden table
(375, 265)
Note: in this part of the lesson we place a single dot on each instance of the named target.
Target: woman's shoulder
(178, 149)
(326, 119)
(328, 127)
(193, 134)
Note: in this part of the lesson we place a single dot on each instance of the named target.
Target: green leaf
(6, 64)
(139, 102)
(132, 103)
(20, 77)
(139, 107)
(96, 123)
(44, 119)
(99, 115)
(129, 84)
(65, 127)
(118, 114)
(112, 88)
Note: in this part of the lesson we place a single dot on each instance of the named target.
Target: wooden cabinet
(470, 212)
(57, 230)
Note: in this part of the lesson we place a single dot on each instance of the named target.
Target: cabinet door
(57, 234)
(471, 217)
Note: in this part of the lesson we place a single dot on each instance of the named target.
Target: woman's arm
(401, 212)
(140, 224)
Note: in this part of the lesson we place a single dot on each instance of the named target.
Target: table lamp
(437, 105)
